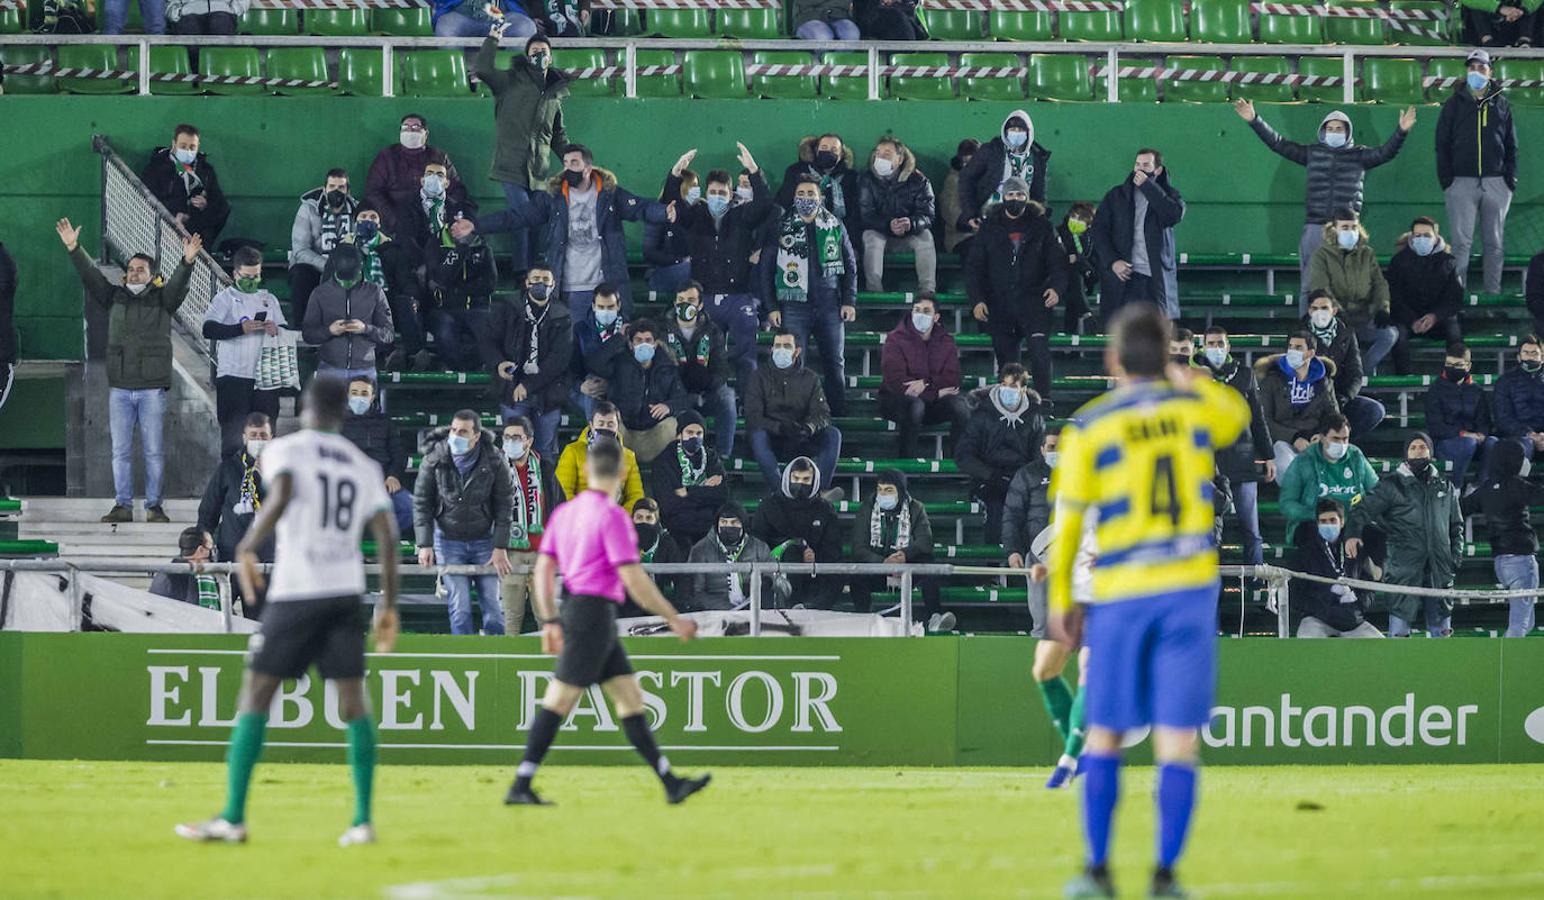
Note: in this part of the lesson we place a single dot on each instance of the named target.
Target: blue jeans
(454, 24)
(1462, 450)
(719, 406)
(402, 508)
(1363, 413)
(1518, 573)
(1246, 502)
(545, 424)
(455, 336)
(518, 198)
(458, 588)
(579, 303)
(1437, 625)
(669, 280)
(834, 30)
(736, 315)
(345, 374)
(824, 446)
(1376, 343)
(144, 410)
(152, 11)
(825, 323)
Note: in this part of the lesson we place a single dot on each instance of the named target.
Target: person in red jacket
(920, 365)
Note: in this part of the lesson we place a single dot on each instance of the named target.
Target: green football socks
(1058, 702)
(246, 746)
(361, 759)
(1076, 733)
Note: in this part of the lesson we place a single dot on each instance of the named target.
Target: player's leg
(627, 699)
(1050, 660)
(246, 745)
(1069, 765)
(556, 704)
(354, 704)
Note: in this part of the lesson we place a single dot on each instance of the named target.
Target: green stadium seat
(783, 87)
(1196, 91)
(221, 61)
(1263, 93)
(337, 22)
(952, 24)
(24, 55)
(1129, 90)
(975, 87)
(1221, 22)
(1005, 25)
(171, 60)
(1360, 32)
(625, 23)
(1161, 21)
(1443, 67)
(680, 23)
(92, 56)
(301, 63)
(1059, 76)
(1522, 70)
(1391, 80)
(1324, 66)
(846, 87)
(411, 21)
(750, 24)
(264, 22)
(924, 87)
(433, 73)
(657, 85)
(576, 59)
(133, 23)
(715, 74)
(1443, 28)
(1102, 27)
(359, 71)
(13, 19)
(1291, 29)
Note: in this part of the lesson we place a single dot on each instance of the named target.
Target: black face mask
(1455, 375)
(1015, 208)
(729, 535)
(1179, 359)
(692, 445)
(367, 229)
(648, 535)
(336, 199)
(825, 160)
(598, 433)
(346, 270)
(539, 291)
(574, 179)
(1419, 466)
(801, 491)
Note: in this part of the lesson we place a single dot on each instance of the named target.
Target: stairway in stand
(73, 523)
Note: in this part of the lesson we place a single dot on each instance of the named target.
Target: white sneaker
(933, 620)
(946, 622)
(359, 834)
(215, 829)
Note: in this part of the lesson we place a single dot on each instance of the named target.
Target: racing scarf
(794, 254)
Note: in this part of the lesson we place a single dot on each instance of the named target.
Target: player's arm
(383, 530)
(1227, 412)
(1071, 482)
(280, 490)
(646, 593)
(543, 587)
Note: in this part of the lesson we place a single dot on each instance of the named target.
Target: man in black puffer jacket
(1329, 610)
(1504, 499)
(1013, 153)
(1237, 463)
(1458, 416)
(1425, 295)
(896, 211)
(1002, 435)
(368, 428)
(529, 346)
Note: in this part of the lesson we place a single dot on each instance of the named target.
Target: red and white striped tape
(1399, 19)
(48, 69)
(1163, 73)
(685, 4)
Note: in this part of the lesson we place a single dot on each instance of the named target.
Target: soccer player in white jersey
(323, 493)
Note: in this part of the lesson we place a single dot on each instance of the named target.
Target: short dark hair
(1081, 208)
(1456, 348)
(1215, 329)
(362, 379)
(719, 176)
(1333, 422)
(643, 326)
(519, 422)
(1316, 293)
(807, 178)
(784, 332)
(539, 266)
(926, 298)
(1428, 221)
(1014, 369)
(801, 464)
(326, 398)
(1157, 157)
(190, 539)
(1184, 334)
(1329, 505)
(149, 260)
(1305, 335)
(604, 408)
(183, 129)
(582, 150)
(337, 172)
(1140, 335)
(422, 122)
(467, 415)
(256, 420)
(605, 457)
(540, 37)
(732, 510)
(246, 255)
(1530, 339)
(690, 286)
(606, 289)
(645, 503)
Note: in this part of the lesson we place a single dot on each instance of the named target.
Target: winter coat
(1517, 403)
(1533, 289)
(843, 176)
(527, 115)
(1425, 534)
(980, 179)
(548, 211)
(182, 586)
(1288, 421)
(332, 301)
(593, 356)
(1335, 174)
(634, 389)
(462, 276)
(696, 514)
(139, 328)
(1476, 138)
(508, 339)
(825, 291)
(376, 437)
(1345, 351)
(217, 512)
(699, 376)
(396, 177)
(907, 194)
(1312, 556)
(468, 507)
(1082, 272)
(812, 521)
(1504, 499)
(1027, 509)
(7, 307)
(1114, 234)
(906, 356)
(1011, 277)
(918, 550)
(710, 590)
(176, 9)
(573, 480)
(1237, 460)
(1455, 408)
(721, 249)
(1422, 285)
(786, 403)
(416, 236)
(1352, 277)
(948, 205)
(1314, 476)
(665, 243)
(820, 11)
(163, 176)
(993, 448)
(309, 244)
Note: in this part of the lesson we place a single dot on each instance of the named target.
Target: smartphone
(261, 316)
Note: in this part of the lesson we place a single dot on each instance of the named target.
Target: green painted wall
(270, 150)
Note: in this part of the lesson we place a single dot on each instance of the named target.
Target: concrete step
(139, 530)
(143, 553)
(92, 509)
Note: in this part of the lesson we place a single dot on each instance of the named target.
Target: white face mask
(1320, 318)
(1051, 456)
(883, 167)
(135, 289)
(922, 322)
(255, 447)
(1335, 449)
(414, 140)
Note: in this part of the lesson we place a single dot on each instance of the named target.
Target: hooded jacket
(711, 591)
(1027, 510)
(1312, 556)
(330, 302)
(594, 356)
(1237, 460)
(395, 178)
(309, 243)
(812, 520)
(1452, 409)
(217, 510)
(634, 389)
(462, 275)
(721, 248)
(1476, 138)
(1335, 174)
(1314, 476)
(994, 447)
(696, 514)
(1352, 277)
(906, 356)
(786, 403)
(163, 175)
(841, 203)
(906, 194)
(1286, 420)
(1504, 499)
(1423, 285)
(980, 179)
(573, 480)
(1114, 232)
(1425, 533)
(376, 437)
(918, 549)
(1011, 276)
(139, 328)
(1517, 405)
(527, 115)
(1345, 351)
(470, 507)
(699, 375)
(508, 339)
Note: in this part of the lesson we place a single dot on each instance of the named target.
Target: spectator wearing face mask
(529, 347)
(920, 384)
(235, 493)
(1518, 400)
(183, 179)
(1504, 498)
(368, 428)
(1013, 153)
(534, 485)
(195, 546)
(388, 264)
(893, 527)
(1477, 167)
(1329, 610)
(605, 421)
(396, 174)
(666, 247)
(462, 277)
(419, 221)
(786, 415)
(1458, 416)
(1425, 295)
(238, 319)
(801, 526)
(1026, 513)
(1346, 266)
(325, 217)
(702, 356)
(895, 206)
(829, 161)
(729, 542)
(1418, 508)
(646, 388)
(1001, 437)
(949, 196)
(1241, 462)
(687, 480)
(1082, 272)
(1338, 345)
(1133, 233)
(1336, 170)
(1331, 467)
(1297, 396)
(600, 346)
(656, 544)
(347, 318)
(824, 20)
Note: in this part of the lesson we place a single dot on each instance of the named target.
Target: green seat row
(28, 548)
(9, 505)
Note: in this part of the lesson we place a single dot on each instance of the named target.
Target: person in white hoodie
(1013, 153)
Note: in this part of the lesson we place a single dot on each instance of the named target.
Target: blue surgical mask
(514, 449)
(782, 357)
(1423, 244)
(1051, 456)
(605, 318)
(1010, 396)
(745, 194)
(1296, 358)
(1334, 139)
(186, 157)
(886, 502)
(1477, 81)
(1016, 139)
(434, 185)
(459, 444)
(693, 194)
(359, 405)
(643, 352)
(1347, 239)
(1216, 356)
(1335, 450)
(1329, 532)
(805, 206)
(717, 205)
(922, 322)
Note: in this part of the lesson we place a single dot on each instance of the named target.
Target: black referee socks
(636, 727)
(544, 730)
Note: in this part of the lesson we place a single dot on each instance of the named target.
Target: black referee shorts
(295, 634)
(592, 654)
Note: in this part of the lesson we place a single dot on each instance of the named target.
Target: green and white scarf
(529, 504)
(1015, 165)
(901, 526)
(731, 556)
(1326, 336)
(793, 254)
(370, 252)
(208, 591)
(700, 346)
(691, 475)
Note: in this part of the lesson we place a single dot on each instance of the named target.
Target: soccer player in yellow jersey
(1141, 457)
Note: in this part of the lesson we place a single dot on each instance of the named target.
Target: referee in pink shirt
(591, 540)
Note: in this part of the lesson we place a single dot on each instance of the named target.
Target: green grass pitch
(103, 829)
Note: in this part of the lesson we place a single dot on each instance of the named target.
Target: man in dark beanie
(688, 481)
(892, 527)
